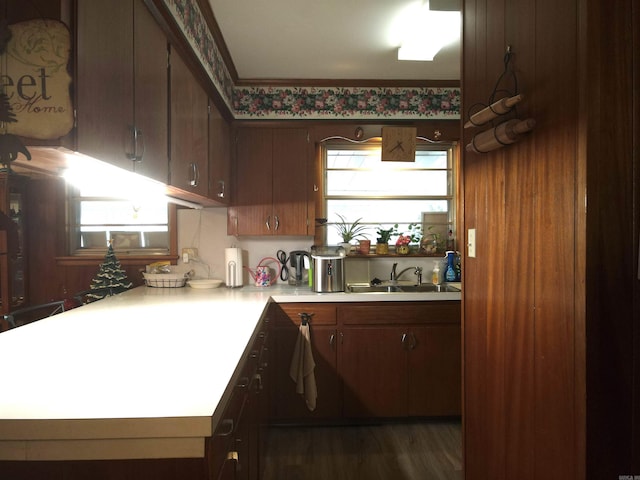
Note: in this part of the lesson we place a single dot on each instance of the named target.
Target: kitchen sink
(424, 287)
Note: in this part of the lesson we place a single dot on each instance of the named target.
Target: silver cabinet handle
(138, 138)
(263, 363)
(233, 455)
(257, 381)
(194, 174)
(227, 423)
(268, 222)
(277, 222)
(221, 192)
(133, 143)
(332, 340)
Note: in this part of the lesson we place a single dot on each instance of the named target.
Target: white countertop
(151, 363)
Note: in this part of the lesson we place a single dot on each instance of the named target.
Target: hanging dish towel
(302, 367)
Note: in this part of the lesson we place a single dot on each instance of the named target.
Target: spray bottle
(450, 274)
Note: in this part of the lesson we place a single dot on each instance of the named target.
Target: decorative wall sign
(34, 77)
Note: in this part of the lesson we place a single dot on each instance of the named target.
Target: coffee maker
(299, 271)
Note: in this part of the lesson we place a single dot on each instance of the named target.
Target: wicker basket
(165, 280)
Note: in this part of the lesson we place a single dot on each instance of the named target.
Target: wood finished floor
(415, 451)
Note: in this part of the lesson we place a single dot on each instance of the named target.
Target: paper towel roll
(233, 266)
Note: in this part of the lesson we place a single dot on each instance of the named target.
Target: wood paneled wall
(611, 112)
(550, 302)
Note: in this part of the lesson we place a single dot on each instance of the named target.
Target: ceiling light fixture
(429, 31)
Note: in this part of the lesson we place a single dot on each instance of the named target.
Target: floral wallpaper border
(190, 20)
(441, 103)
(346, 102)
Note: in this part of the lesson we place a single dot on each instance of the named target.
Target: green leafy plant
(412, 235)
(349, 230)
(384, 234)
(432, 241)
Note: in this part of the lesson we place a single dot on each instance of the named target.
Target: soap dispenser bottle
(436, 279)
(450, 273)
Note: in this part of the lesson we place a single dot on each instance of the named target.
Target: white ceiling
(329, 39)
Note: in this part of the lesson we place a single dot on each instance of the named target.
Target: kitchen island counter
(137, 375)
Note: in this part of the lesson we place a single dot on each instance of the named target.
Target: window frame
(74, 250)
(452, 149)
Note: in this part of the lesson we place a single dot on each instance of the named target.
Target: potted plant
(382, 242)
(405, 240)
(431, 243)
(349, 230)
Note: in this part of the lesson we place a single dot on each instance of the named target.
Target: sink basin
(425, 287)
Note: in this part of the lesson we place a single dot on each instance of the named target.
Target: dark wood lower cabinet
(401, 360)
(372, 366)
(287, 406)
(434, 368)
(373, 360)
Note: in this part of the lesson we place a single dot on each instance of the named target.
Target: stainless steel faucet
(395, 276)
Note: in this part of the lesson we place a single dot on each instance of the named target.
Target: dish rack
(165, 280)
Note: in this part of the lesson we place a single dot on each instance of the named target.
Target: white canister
(233, 267)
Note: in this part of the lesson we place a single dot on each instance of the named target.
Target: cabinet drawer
(399, 313)
(226, 431)
(322, 313)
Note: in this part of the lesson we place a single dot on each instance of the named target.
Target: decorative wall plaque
(35, 79)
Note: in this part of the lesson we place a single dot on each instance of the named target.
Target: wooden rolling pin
(494, 110)
(504, 134)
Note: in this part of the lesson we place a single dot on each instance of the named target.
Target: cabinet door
(189, 158)
(435, 378)
(105, 80)
(290, 181)
(219, 156)
(253, 173)
(151, 96)
(401, 359)
(271, 194)
(286, 404)
(372, 365)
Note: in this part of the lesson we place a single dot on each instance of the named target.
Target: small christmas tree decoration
(110, 279)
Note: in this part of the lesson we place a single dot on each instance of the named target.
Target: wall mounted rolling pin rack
(510, 129)
(501, 107)
(504, 134)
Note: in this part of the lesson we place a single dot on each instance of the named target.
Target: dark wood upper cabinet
(122, 112)
(189, 164)
(271, 182)
(219, 156)
(151, 94)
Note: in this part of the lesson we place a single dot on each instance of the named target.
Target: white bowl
(205, 283)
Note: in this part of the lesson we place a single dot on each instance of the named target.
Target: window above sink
(358, 185)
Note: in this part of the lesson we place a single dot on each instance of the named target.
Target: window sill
(395, 255)
(92, 260)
